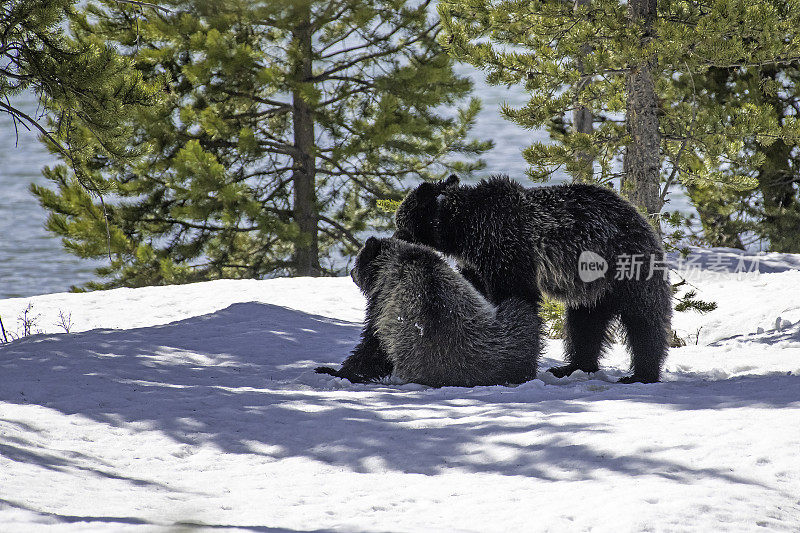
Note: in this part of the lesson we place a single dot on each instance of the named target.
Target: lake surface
(32, 261)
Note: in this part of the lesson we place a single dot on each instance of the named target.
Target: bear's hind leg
(647, 335)
(585, 337)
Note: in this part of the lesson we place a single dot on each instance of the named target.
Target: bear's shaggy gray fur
(513, 241)
(433, 327)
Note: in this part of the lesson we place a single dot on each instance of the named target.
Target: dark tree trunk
(776, 181)
(642, 162)
(781, 223)
(582, 116)
(306, 255)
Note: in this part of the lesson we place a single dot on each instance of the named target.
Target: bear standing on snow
(580, 244)
(427, 324)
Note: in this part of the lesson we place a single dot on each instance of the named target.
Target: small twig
(697, 336)
(16, 128)
(28, 321)
(108, 230)
(14, 112)
(3, 330)
(344, 231)
(64, 322)
(144, 4)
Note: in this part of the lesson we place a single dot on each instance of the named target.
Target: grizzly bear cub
(426, 324)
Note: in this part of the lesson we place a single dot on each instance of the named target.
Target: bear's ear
(373, 245)
(370, 250)
(426, 189)
(362, 271)
(451, 181)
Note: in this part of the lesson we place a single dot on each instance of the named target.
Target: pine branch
(205, 226)
(144, 4)
(684, 143)
(260, 100)
(14, 112)
(344, 231)
(325, 75)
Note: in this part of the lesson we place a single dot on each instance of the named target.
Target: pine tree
(635, 66)
(85, 87)
(770, 212)
(283, 123)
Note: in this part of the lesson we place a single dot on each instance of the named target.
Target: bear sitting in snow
(425, 323)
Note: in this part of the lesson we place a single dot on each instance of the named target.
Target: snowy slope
(196, 407)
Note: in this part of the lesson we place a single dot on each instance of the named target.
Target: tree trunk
(306, 255)
(642, 162)
(582, 116)
(776, 180)
(781, 210)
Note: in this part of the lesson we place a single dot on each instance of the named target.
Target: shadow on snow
(772, 337)
(734, 260)
(127, 520)
(242, 379)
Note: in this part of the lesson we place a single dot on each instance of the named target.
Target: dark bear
(426, 324)
(557, 240)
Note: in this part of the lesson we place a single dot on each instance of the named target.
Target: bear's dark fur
(525, 242)
(429, 325)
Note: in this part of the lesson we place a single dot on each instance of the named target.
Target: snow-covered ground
(196, 407)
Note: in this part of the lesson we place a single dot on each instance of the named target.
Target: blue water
(32, 261)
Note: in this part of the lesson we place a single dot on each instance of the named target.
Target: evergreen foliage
(770, 212)
(87, 90)
(689, 301)
(588, 54)
(552, 312)
(282, 123)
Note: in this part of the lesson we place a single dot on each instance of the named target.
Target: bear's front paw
(562, 371)
(327, 370)
(352, 377)
(566, 370)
